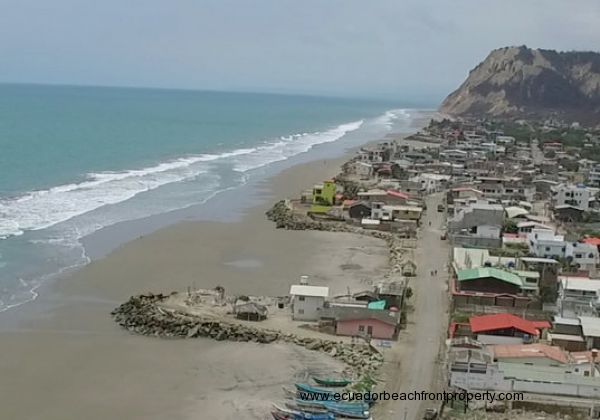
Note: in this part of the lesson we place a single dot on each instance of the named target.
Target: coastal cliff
(520, 81)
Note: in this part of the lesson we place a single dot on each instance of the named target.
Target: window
(547, 248)
(361, 328)
(301, 298)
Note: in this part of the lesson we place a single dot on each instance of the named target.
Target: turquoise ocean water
(76, 159)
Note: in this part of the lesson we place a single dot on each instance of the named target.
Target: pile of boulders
(143, 314)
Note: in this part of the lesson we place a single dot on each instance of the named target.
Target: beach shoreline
(88, 353)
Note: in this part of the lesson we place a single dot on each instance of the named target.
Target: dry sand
(65, 359)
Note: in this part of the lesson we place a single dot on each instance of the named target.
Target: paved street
(413, 365)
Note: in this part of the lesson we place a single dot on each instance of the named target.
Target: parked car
(441, 208)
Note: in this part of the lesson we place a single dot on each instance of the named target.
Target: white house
(544, 243)
(572, 195)
(307, 301)
(584, 255)
(594, 175)
(577, 295)
(431, 183)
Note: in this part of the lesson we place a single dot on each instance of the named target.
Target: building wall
(573, 195)
(351, 328)
(489, 285)
(476, 242)
(308, 309)
(487, 231)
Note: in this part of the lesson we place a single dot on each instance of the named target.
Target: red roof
(480, 324)
(542, 325)
(592, 241)
(397, 194)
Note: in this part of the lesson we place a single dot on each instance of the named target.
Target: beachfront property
(383, 212)
(307, 302)
(352, 321)
(323, 197)
(387, 197)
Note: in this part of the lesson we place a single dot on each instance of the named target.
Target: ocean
(75, 160)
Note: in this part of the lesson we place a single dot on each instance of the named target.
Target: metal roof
(539, 260)
(484, 323)
(548, 374)
(590, 326)
(303, 290)
(483, 272)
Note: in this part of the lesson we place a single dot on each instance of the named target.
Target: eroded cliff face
(517, 81)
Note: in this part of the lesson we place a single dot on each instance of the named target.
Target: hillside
(519, 81)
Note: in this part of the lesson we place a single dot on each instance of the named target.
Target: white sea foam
(45, 208)
(291, 145)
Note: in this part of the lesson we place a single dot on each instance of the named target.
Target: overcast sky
(374, 48)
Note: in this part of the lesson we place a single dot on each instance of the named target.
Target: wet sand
(64, 358)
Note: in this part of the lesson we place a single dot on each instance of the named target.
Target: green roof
(482, 272)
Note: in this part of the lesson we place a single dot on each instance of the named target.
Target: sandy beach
(66, 358)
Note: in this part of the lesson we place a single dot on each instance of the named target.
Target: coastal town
(493, 234)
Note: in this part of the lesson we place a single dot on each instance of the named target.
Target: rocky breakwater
(285, 218)
(143, 314)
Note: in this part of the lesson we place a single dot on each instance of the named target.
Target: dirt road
(413, 365)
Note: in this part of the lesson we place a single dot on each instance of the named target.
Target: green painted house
(323, 197)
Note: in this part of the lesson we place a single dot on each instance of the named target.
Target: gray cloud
(379, 48)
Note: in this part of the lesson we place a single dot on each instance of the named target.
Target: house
(489, 280)
(525, 227)
(584, 256)
(594, 175)
(532, 354)
(392, 292)
(463, 192)
(364, 322)
(380, 211)
(478, 225)
(307, 301)
(388, 197)
(578, 296)
(323, 197)
(572, 195)
(474, 369)
(512, 328)
(544, 243)
(431, 183)
(359, 210)
(505, 188)
(568, 213)
(590, 327)
(360, 168)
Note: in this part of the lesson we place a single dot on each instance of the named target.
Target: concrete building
(594, 175)
(477, 225)
(572, 195)
(544, 243)
(584, 256)
(307, 302)
(578, 296)
(474, 369)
